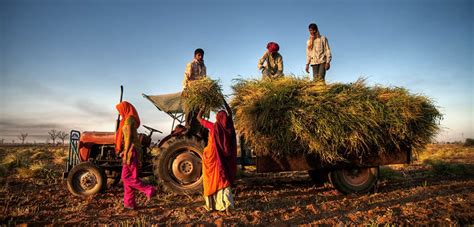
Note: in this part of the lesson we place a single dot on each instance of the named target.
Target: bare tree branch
(62, 135)
(22, 137)
(53, 134)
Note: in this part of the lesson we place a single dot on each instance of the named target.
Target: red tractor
(92, 163)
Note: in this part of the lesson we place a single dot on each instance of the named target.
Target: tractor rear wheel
(178, 165)
(86, 179)
(355, 180)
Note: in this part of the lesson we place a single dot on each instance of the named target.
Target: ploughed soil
(438, 188)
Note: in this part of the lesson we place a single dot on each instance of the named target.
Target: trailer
(354, 176)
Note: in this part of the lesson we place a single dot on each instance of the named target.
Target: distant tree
(2, 140)
(22, 137)
(62, 135)
(53, 135)
(469, 142)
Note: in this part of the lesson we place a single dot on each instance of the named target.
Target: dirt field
(437, 188)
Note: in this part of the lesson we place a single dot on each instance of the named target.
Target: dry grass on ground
(438, 188)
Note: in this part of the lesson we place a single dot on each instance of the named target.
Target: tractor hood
(98, 137)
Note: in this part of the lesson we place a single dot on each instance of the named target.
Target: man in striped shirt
(318, 54)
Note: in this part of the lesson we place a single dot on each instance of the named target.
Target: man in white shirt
(195, 70)
(318, 54)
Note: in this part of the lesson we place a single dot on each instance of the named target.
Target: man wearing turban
(271, 62)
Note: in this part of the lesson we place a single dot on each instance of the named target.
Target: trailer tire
(178, 167)
(355, 180)
(86, 179)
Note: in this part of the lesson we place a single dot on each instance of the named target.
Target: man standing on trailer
(318, 54)
(195, 70)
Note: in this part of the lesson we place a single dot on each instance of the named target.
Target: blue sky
(62, 62)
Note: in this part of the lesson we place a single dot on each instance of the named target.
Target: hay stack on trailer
(336, 123)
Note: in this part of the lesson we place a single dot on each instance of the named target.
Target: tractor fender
(178, 131)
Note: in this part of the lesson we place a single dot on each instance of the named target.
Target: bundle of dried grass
(342, 121)
(203, 94)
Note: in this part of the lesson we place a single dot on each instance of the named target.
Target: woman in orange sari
(219, 162)
(127, 142)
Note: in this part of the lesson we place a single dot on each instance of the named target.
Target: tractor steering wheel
(152, 129)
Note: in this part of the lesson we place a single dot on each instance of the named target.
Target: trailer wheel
(356, 180)
(86, 179)
(178, 165)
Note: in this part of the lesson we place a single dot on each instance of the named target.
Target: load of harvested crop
(203, 94)
(341, 121)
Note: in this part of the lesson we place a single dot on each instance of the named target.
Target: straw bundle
(342, 121)
(203, 94)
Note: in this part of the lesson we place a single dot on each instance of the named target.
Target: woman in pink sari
(128, 144)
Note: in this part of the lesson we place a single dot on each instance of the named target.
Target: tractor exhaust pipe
(117, 123)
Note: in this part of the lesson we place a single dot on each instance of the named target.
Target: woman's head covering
(125, 110)
(273, 47)
(221, 118)
(226, 144)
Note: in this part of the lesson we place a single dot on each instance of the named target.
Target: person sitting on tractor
(128, 145)
(219, 161)
(195, 70)
(271, 62)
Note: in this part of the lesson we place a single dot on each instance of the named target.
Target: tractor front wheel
(86, 179)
